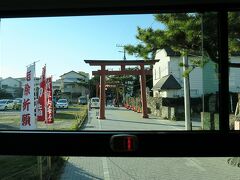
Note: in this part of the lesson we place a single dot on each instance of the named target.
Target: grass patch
(71, 118)
(26, 167)
(64, 119)
(66, 116)
(67, 119)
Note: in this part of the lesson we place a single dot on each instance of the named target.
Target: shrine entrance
(142, 72)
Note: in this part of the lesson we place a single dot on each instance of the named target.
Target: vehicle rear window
(62, 101)
(95, 100)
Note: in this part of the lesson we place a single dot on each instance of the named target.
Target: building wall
(160, 69)
(70, 86)
(56, 84)
(210, 78)
(170, 93)
(23, 81)
(202, 80)
(11, 86)
(211, 81)
(196, 81)
(10, 82)
(74, 88)
(195, 77)
(170, 65)
(234, 76)
(72, 75)
(73, 78)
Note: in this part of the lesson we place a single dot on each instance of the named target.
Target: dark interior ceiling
(28, 8)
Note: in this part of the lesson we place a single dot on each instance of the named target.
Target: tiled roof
(167, 83)
(171, 52)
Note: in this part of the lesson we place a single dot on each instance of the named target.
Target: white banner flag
(28, 120)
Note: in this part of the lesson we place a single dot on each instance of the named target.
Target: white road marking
(104, 159)
(105, 169)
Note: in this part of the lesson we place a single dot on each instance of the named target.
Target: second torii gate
(103, 72)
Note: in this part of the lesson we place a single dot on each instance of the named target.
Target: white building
(168, 76)
(12, 86)
(74, 85)
(234, 75)
(23, 80)
(56, 84)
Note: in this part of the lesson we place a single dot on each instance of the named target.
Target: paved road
(123, 119)
(86, 168)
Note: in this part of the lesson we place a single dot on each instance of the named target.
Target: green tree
(182, 32)
(190, 34)
(92, 85)
(18, 92)
(120, 81)
(234, 32)
(5, 95)
(151, 40)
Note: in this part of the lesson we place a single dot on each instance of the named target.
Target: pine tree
(183, 33)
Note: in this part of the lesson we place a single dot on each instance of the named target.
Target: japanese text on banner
(41, 97)
(27, 120)
(50, 107)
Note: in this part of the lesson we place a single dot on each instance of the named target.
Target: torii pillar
(102, 93)
(143, 92)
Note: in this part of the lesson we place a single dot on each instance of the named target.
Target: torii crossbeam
(142, 72)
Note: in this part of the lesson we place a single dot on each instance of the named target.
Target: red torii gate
(103, 72)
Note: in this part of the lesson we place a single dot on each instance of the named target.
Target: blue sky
(62, 43)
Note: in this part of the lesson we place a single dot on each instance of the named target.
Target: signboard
(27, 119)
(49, 96)
(41, 97)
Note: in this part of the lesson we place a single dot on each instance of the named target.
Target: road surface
(86, 168)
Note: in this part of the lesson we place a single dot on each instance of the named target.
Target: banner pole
(35, 95)
(45, 96)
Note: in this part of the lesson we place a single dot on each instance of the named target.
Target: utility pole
(124, 51)
(186, 86)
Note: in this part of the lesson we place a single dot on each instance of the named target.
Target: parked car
(94, 102)
(17, 103)
(6, 104)
(82, 100)
(62, 103)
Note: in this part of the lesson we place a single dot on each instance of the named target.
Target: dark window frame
(151, 143)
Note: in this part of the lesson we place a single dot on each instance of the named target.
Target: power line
(124, 51)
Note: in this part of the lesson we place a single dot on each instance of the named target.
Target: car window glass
(168, 96)
(166, 108)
